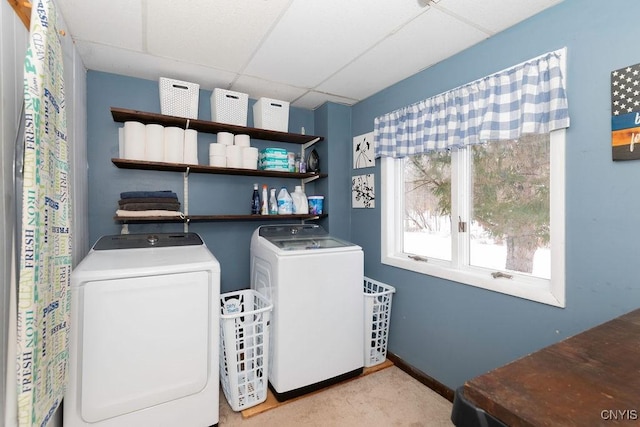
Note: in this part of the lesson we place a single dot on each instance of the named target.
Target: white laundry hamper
(244, 347)
(377, 315)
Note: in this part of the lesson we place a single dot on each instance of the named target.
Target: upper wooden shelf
(123, 115)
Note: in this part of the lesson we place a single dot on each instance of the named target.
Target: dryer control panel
(152, 240)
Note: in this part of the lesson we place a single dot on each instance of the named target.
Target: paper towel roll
(154, 145)
(225, 138)
(242, 140)
(234, 156)
(134, 140)
(173, 144)
(191, 147)
(218, 161)
(249, 158)
(250, 152)
(249, 163)
(216, 149)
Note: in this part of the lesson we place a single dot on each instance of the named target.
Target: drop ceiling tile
(280, 48)
(496, 15)
(312, 100)
(257, 88)
(429, 39)
(218, 33)
(127, 63)
(112, 23)
(315, 38)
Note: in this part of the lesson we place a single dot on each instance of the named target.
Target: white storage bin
(178, 98)
(271, 114)
(377, 314)
(244, 347)
(229, 107)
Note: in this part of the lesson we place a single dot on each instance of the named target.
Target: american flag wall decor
(625, 113)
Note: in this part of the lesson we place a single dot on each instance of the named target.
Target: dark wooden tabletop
(590, 379)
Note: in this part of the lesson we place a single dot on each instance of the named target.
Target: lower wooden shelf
(214, 218)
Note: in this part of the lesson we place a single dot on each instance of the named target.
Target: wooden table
(590, 379)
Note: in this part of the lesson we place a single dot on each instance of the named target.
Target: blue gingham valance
(527, 98)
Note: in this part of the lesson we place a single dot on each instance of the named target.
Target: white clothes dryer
(315, 283)
(144, 334)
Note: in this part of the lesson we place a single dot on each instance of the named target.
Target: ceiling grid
(305, 52)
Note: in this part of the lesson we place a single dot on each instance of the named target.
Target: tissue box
(229, 107)
(271, 114)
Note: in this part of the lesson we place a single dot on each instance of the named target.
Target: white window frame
(545, 291)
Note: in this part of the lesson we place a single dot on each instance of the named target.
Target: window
(446, 215)
(487, 214)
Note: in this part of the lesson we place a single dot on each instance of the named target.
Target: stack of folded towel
(148, 203)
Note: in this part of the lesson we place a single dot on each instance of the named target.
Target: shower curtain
(45, 247)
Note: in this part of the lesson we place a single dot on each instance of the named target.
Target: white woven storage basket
(271, 114)
(178, 98)
(229, 107)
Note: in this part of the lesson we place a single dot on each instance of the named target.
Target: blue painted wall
(333, 121)
(447, 330)
(453, 331)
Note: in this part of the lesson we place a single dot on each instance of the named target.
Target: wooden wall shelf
(181, 167)
(123, 115)
(216, 218)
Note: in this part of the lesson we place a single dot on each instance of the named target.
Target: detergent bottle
(300, 203)
(285, 203)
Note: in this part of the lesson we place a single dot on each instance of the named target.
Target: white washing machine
(315, 283)
(144, 334)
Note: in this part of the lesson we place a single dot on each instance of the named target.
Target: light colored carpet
(386, 398)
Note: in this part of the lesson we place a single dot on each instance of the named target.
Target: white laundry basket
(244, 347)
(377, 314)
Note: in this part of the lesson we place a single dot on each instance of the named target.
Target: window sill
(530, 290)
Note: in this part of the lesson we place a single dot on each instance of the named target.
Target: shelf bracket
(310, 179)
(309, 144)
(303, 157)
(186, 126)
(185, 197)
(314, 218)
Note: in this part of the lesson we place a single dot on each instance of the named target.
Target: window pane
(427, 205)
(509, 227)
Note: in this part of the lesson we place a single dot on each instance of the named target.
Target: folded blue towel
(144, 194)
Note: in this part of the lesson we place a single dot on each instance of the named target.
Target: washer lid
(310, 243)
(152, 240)
(296, 237)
